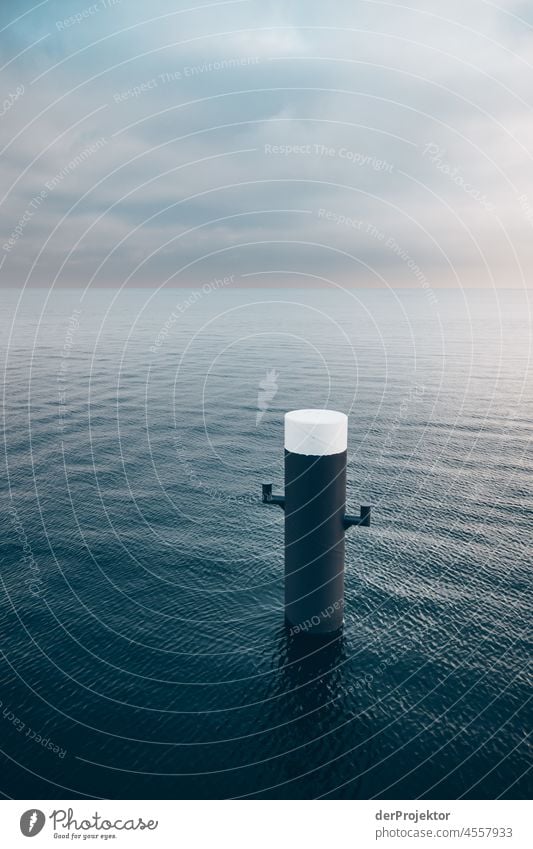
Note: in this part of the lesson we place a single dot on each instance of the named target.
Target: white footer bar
(267, 824)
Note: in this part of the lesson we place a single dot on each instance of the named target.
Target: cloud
(228, 129)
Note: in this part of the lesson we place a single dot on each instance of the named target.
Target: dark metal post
(315, 519)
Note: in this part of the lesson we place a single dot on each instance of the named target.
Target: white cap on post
(316, 432)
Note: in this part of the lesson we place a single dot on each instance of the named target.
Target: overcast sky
(167, 143)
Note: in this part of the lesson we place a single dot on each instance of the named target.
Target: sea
(143, 648)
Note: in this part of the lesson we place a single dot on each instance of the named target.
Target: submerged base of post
(312, 630)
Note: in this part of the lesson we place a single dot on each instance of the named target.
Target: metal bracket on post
(362, 521)
(268, 498)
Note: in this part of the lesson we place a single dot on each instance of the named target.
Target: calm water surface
(141, 615)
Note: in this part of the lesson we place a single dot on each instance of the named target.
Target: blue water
(141, 617)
